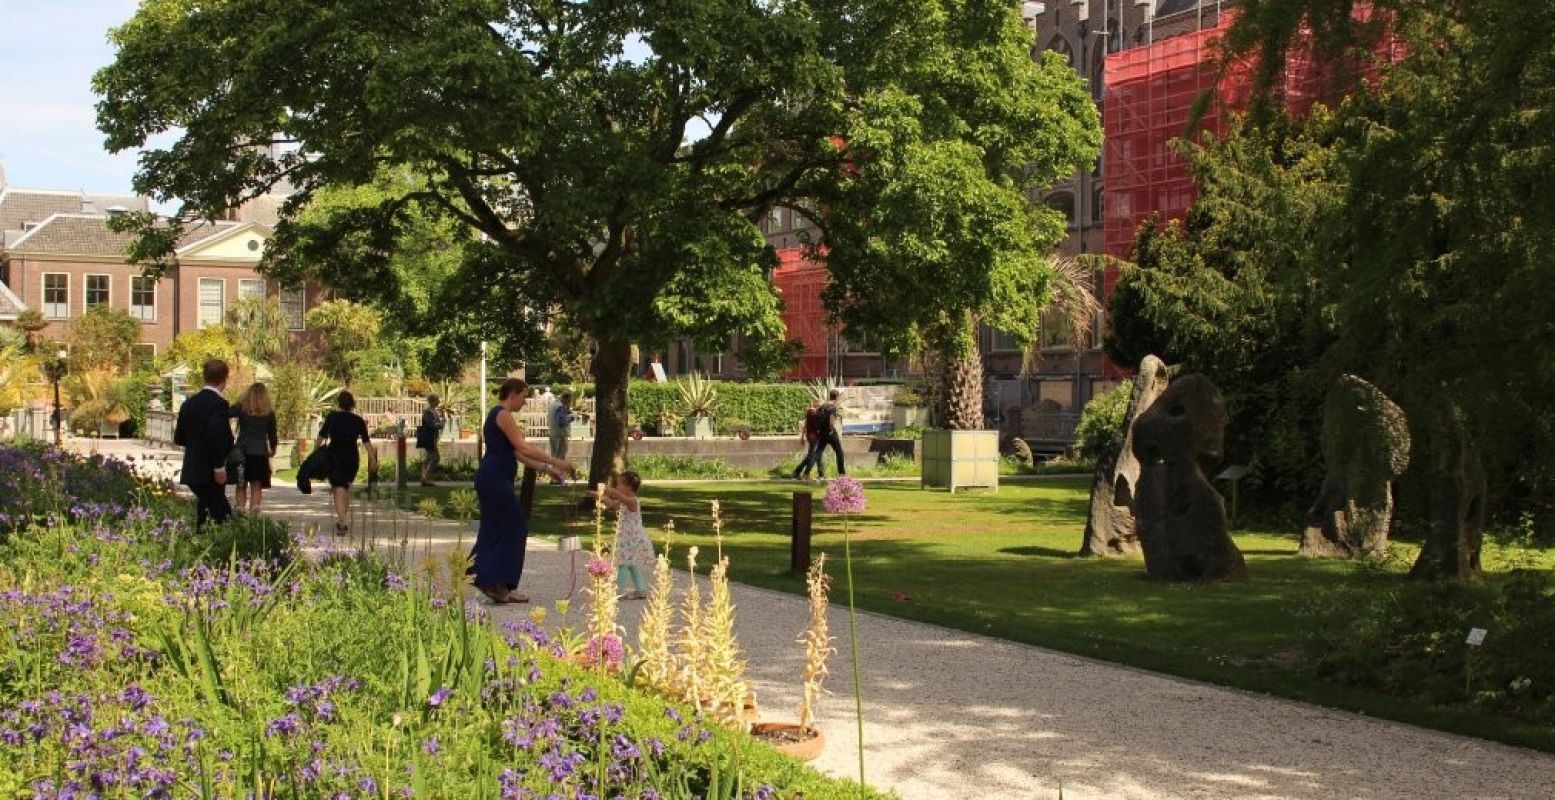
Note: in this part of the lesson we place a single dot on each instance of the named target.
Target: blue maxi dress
(503, 534)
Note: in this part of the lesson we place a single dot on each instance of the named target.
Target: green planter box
(961, 459)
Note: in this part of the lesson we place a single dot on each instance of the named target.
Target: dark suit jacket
(205, 435)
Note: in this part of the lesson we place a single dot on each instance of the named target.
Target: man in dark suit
(206, 437)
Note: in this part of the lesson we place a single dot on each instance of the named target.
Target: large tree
(612, 158)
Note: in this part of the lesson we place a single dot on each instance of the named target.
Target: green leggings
(625, 570)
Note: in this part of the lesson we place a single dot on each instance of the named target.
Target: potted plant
(909, 409)
(803, 740)
(699, 401)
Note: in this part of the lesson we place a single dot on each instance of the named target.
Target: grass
(1003, 564)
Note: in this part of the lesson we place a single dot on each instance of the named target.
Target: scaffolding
(1149, 100)
(800, 282)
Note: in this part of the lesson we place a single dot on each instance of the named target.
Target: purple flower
(606, 650)
(395, 583)
(598, 567)
(437, 698)
(288, 725)
(844, 496)
(431, 747)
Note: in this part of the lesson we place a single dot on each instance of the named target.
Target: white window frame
(244, 283)
(775, 220)
(43, 299)
(135, 309)
(199, 303)
(86, 290)
(301, 294)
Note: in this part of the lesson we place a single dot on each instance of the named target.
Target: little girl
(633, 550)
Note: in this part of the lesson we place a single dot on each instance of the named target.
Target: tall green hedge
(765, 407)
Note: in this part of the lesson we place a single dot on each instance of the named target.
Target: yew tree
(608, 158)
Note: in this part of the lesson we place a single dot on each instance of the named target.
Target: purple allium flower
(598, 567)
(844, 496)
(606, 650)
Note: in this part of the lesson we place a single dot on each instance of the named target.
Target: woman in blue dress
(499, 545)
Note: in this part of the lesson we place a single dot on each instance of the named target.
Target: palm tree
(956, 358)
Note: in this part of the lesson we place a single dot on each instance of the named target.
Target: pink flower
(598, 567)
(605, 649)
(844, 496)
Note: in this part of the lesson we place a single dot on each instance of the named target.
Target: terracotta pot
(780, 736)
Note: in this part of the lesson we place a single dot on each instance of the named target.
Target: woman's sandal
(503, 596)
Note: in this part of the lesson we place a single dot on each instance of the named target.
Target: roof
(86, 234)
(10, 304)
(1167, 7)
(21, 208)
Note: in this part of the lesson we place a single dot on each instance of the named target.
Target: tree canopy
(1406, 238)
(607, 158)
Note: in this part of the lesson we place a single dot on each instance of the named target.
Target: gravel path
(955, 715)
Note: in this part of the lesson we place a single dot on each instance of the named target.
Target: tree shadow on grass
(1043, 552)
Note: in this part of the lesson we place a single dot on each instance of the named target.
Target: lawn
(1003, 564)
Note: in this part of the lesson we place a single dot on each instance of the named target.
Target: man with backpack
(829, 421)
(810, 434)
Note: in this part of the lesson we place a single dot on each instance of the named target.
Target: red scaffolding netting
(1150, 98)
(800, 281)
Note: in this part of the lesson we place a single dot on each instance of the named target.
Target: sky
(49, 50)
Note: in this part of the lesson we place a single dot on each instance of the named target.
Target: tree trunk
(958, 404)
(612, 365)
(1457, 509)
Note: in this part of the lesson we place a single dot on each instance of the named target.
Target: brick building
(58, 256)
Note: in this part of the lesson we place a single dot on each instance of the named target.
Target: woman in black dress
(342, 430)
(257, 440)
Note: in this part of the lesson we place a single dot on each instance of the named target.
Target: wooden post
(526, 494)
(799, 544)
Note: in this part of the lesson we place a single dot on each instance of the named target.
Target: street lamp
(53, 371)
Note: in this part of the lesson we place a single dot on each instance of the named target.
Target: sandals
(502, 596)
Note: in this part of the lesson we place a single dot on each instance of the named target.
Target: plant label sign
(1476, 637)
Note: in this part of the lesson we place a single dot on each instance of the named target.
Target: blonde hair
(256, 401)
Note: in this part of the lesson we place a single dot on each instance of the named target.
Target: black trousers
(812, 458)
(210, 503)
(834, 441)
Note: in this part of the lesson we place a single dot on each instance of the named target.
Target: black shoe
(304, 485)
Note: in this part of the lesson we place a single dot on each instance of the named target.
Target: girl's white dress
(633, 547)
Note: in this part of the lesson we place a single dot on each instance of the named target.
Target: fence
(27, 423)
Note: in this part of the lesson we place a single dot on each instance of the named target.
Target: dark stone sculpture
(1110, 529)
(1365, 447)
(1180, 517)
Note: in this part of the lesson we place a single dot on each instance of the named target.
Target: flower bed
(141, 661)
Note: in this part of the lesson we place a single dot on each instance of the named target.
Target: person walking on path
(427, 436)
(560, 426)
(204, 431)
(504, 532)
(810, 434)
(829, 420)
(342, 429)
(257, 440)
(633, 550)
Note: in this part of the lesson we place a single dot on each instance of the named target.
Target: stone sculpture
(1110, 529)
(1180, 517)
(1365, 447)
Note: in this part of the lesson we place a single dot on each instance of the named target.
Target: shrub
(767, 408)
(1100, 430)
(1407, 639)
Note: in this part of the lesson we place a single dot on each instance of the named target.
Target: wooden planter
(961, 459)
